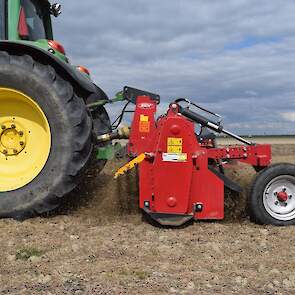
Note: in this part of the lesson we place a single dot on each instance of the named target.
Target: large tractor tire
(272, 196)
(45, 137)
(101, 125)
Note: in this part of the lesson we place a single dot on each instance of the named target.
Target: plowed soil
(101, 245)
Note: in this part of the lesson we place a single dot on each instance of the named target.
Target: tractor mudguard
(84, 86)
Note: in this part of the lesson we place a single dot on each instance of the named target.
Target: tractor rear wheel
(101, 125)
(272, 197)
(45, 137)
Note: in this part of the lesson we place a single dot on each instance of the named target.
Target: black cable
(120, 117)
(197, 106)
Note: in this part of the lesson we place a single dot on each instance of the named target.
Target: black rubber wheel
(272, 196)
(71, 136)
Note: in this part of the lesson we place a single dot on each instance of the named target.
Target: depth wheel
(272, 197)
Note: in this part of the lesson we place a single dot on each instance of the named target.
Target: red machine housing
(143, 125)
(176, 181)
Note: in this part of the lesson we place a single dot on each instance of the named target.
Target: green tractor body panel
(12, 18)
(37, 16)
(43, 44)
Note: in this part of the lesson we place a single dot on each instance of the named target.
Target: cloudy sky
(235, 56)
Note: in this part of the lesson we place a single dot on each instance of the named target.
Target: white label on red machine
(145, 105)
(174, 157)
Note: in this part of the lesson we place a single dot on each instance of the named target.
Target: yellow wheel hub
(12, 138)
(25, 139)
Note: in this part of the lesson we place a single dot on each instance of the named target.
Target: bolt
(12, 126)
(51, 50)
(15, 151)
(21, 143)
(285, 204)
(199, 207)
(3, 127)
(276, 203)
(21, 133)
(290, 197)
(275, 193)
(284, 189)
(5, 152)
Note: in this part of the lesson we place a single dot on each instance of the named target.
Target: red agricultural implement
(181, 173)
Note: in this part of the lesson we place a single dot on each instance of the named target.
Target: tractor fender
(82, 85)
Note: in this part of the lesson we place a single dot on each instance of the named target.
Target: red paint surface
(57, 46)
(141, 130)
(176, 187)
(282, 196)
(23, 29)
(84, 70)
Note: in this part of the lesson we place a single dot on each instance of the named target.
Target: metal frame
(3, 18)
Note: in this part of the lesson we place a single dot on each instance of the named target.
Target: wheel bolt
(3, 127)
(275, 193)
(5, 152)
(285, 204)
(21, 133)
(12, 126)
(21, 143)
(290, 197)
(276, 203)
(15, 151)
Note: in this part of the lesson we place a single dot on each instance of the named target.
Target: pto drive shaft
(122, 133)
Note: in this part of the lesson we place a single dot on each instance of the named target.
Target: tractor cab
(34, 20)
(28, 20)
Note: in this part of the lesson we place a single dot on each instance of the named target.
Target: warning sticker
(144, 118)
(174, 149)
(144, 124)
(174, 141)
(174, 145)
(144, 127)
(174, 157)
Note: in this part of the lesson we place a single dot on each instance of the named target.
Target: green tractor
(46, 129)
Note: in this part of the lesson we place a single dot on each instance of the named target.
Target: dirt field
(101, 246)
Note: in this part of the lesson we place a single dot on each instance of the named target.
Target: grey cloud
(178, 48)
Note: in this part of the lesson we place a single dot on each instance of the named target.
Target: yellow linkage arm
(130, 165)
